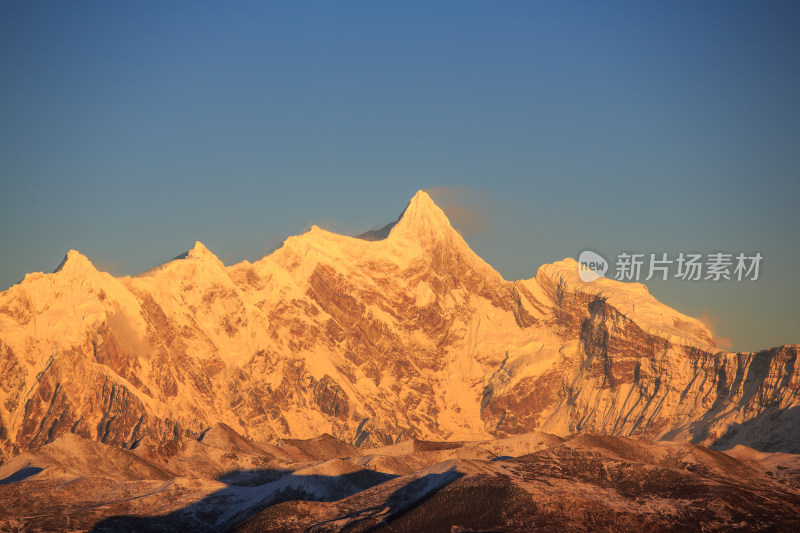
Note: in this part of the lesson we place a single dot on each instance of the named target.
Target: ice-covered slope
(408, 336)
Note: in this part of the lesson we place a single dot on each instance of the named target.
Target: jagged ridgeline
(403, 334)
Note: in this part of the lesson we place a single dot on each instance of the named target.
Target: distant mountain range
(403, 334)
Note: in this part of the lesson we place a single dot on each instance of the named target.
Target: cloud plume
(463, 207)
(711, 322)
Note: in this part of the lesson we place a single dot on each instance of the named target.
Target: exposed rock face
(411, 335)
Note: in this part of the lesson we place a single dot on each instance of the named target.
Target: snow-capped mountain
(405, 333)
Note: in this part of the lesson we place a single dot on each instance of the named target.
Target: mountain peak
(198, 251)
(422, 205)
(74, 261)
(422, 218)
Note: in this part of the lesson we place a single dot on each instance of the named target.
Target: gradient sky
(128, 130)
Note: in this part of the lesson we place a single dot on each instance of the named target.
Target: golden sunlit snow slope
(412, 335)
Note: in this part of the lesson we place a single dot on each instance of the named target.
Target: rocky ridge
(528, 482)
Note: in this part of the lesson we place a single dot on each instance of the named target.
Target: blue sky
(130, 130)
